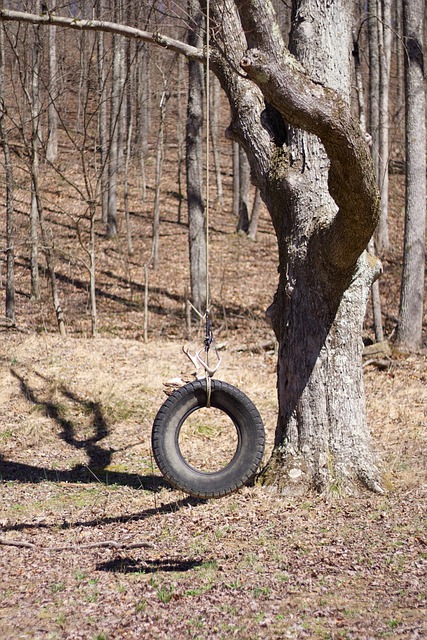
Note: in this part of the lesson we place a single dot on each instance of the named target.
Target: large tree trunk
(409, 335)
(324, 206)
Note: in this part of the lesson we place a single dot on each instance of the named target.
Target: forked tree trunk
(324, 206)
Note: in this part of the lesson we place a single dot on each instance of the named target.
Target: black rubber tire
(250, 439)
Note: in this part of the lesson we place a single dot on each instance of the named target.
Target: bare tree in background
(10, 222)
(194, 164)
(52, 135)
(409, 334)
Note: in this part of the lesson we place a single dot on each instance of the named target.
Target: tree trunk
(194, 166)
(10, 222)
(52, 137)
(180, 137)
(409, 334)
(374, 82)
(114, 132)
(102, 121)
(215, 109)
(159, 171)
(35, 149)
(244, 183)
(384, 39)
(322, 439)
(253, 224)
(375, 290)
(236, 179)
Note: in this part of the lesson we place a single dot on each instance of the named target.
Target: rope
(209, 336)
(207, 149)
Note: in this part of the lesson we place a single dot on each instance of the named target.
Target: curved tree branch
(309, 105)
(51, 19)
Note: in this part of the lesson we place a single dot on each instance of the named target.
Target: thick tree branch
(321, 111)
(51, 19)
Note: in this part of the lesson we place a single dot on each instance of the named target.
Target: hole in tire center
(208, 440)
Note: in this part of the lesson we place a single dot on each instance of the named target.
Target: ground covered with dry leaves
(94, 543)
(110, 551)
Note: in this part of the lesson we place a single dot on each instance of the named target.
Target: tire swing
(243, 456)
(232, 463)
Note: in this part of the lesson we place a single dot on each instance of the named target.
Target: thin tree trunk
(159, 171)
(256, 207)
(103, 138)
(374, 82)
(92, 272)
(384, 39)
(375, 289)
(409, 334)
(10, 222)
(49, 256)
(194, 165)
(126, 191)
(244, 181)
(180, 137)
(236, 179)
(113, 156)
(52, 139)
(35, 146)
(213, 122)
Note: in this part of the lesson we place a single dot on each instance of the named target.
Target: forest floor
(96, 545)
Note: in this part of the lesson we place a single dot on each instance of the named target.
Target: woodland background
(76, 413)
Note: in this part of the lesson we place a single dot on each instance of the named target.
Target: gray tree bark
(384, 40)
(52, 136)
(194, 165)
(374, 82)
(113, 163)
(320, 190)
(35, 152)
(10, 219)
(244, 183)
(409, 334)
(102, 119)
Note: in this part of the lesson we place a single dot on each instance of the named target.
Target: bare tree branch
(51, 19)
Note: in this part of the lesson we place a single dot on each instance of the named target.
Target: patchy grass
(252, 565)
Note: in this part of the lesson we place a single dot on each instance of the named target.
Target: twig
(104, 544)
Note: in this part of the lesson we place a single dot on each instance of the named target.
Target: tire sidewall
(170, 419)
